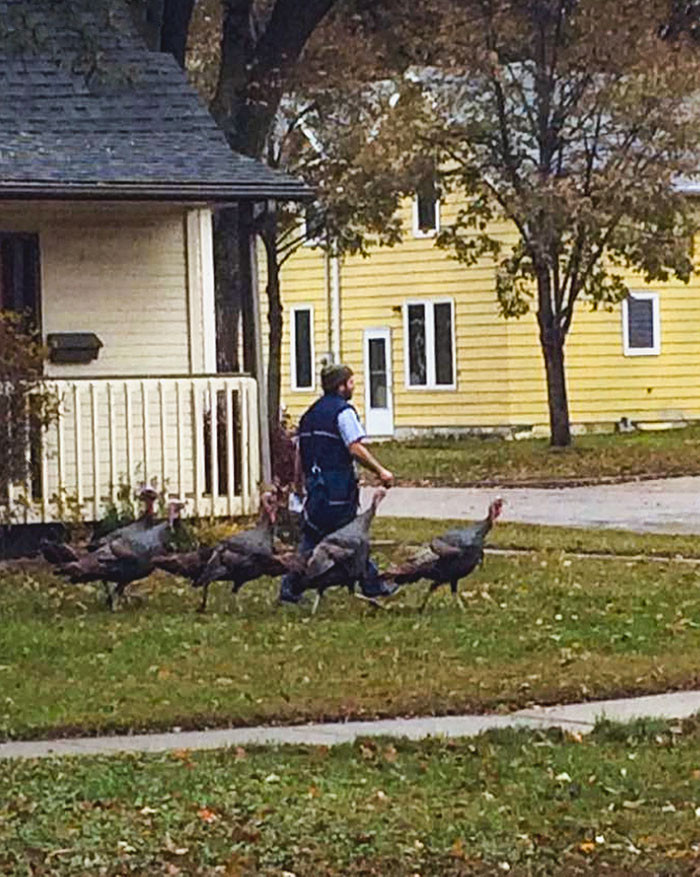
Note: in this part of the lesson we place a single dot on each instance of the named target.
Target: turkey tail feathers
(58, 553)
(404, 575)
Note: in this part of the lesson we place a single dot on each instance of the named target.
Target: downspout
(333, 274)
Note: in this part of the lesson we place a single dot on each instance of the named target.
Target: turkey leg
(455, 594)
(203, 605)
(110, 596)
(433, 588)
(317, 600)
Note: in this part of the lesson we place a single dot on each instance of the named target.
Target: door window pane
(417, 363)
(444, 373)
(378, 389)
(302, 349)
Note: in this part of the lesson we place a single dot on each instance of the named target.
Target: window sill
(425, 234)
(642, 351)
(437, 388)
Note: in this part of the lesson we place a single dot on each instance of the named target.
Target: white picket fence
(113, 432)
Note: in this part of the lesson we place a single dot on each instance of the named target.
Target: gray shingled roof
(87, 111)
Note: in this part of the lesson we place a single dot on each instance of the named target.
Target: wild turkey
(246, 555)
(341, 559)
(59, 554)
(127, 557)
(451, 557)
(148, 496)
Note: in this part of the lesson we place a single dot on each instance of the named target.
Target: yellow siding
(119, 271)
(303, 283)
(500, 374)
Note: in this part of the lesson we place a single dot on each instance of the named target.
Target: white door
(379, 406)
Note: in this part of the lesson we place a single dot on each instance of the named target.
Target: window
(430, 344)
(426, 210)
(302, 326)
(314, 225)
(19, 275)
(641, 325)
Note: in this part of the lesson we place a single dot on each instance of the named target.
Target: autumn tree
(332, 128)
(339, 137)
(573, 120)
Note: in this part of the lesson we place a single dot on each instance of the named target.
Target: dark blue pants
(370, 584)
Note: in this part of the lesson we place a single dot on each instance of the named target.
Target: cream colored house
(107, 196)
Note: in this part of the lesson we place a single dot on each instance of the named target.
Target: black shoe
(378, 588)
(288, 598)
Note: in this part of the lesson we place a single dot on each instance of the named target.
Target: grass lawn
(624, 801)
(464, 461)
(541, 627)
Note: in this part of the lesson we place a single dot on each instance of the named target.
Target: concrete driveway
(666, 506)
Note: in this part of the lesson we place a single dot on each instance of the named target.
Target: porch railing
(197, 438)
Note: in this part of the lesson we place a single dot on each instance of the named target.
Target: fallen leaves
(173, 848)
(391, 755)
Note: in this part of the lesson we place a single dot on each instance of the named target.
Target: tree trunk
(552, 338)
(151, 21)
(553, 353)
(228, 292)
(175, 29)
(233, 269)
(275, 320)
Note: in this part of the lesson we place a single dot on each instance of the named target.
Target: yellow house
(432, 354)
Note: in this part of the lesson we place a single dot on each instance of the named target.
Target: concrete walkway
(577, 717)
(665, 506)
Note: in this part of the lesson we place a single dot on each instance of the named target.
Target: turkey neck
(485, 526)
(367, 517)
(149, 515)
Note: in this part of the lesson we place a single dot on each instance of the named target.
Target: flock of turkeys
(133, 552)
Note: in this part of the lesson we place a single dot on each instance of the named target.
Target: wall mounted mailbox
(73, 347)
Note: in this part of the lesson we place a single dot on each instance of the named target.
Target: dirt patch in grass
(592, 459)
(623, 800)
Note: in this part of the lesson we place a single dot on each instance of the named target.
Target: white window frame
(429, 385)
(418, 232)
(293, 348)
(655, 350)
